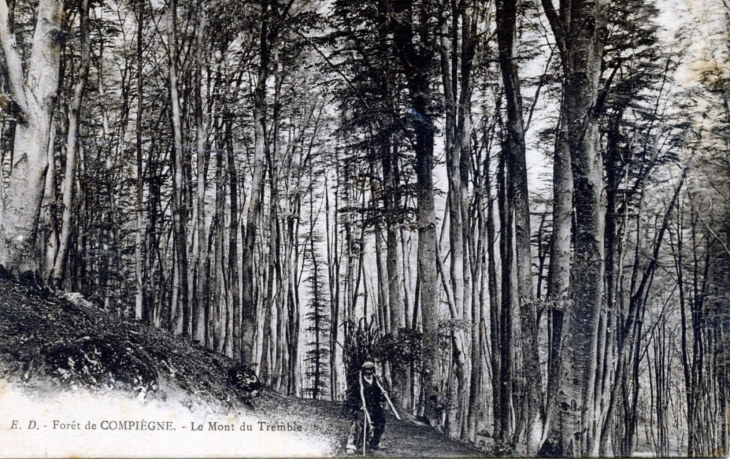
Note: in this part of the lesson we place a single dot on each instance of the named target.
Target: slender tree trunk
(455, 140)
(393, 264)
(333, 280)
(217, 278)
(199, 323)
(470, 306)
(686, 363)
(233, 276)
(517, 182)
(558, 279)
(383, 309)
(179, 213)
(273, 280)
(504, 418)
(140, 310)
(294, 306)
(494, 297)
(427, 271)
(612, 250)
(49, 233)
(72, 144)
(257, 185)
(152, 242)
(453, 160)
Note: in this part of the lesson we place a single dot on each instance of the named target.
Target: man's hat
(367, 365)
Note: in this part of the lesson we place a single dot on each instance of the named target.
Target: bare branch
(12, 59)
(557, 26)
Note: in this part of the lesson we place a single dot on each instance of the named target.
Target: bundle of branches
(361, 342)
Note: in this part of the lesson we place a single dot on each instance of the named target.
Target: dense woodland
(520, 210)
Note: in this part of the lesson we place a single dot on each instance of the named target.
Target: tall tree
(33, 92)
(272, 14)
(519, 204)
(579, 28)
(180, 298)
(415, 35)
(141, 309)
(458, 45)
(317, 355)
(72, 146)
(200, 282)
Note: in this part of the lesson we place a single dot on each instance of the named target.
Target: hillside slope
(78, 381)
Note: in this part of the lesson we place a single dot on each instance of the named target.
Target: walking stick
(364, 434)
(366, 419)
(387, 399)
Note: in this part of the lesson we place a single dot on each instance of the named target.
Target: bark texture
(580, 31)
(33, 92)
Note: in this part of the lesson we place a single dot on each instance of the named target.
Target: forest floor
(64, 360)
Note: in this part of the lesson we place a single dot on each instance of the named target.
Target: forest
(519, 210)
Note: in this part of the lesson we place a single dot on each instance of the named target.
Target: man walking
(364, 403)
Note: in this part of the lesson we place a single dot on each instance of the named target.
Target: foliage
(400, 350)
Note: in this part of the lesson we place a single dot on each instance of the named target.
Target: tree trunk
(580, 31)
(233, 276)
(517, 182)
(48, 229)
(427, 271)
(579, 364)
(257, 187)
(456, 62)
(558, 278)
(217, 294)
(179, 213)
(72, 144)
(383, 312)
(199, 323)
(140, 312)
(414, 46)
(270, 367)
(494, 294)
(34, 95)
(504, 425)
(393, 265)
(333, 281)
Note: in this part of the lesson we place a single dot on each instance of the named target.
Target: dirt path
(405, 438)
(402, 438)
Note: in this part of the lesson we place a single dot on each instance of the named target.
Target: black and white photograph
(374, 228)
